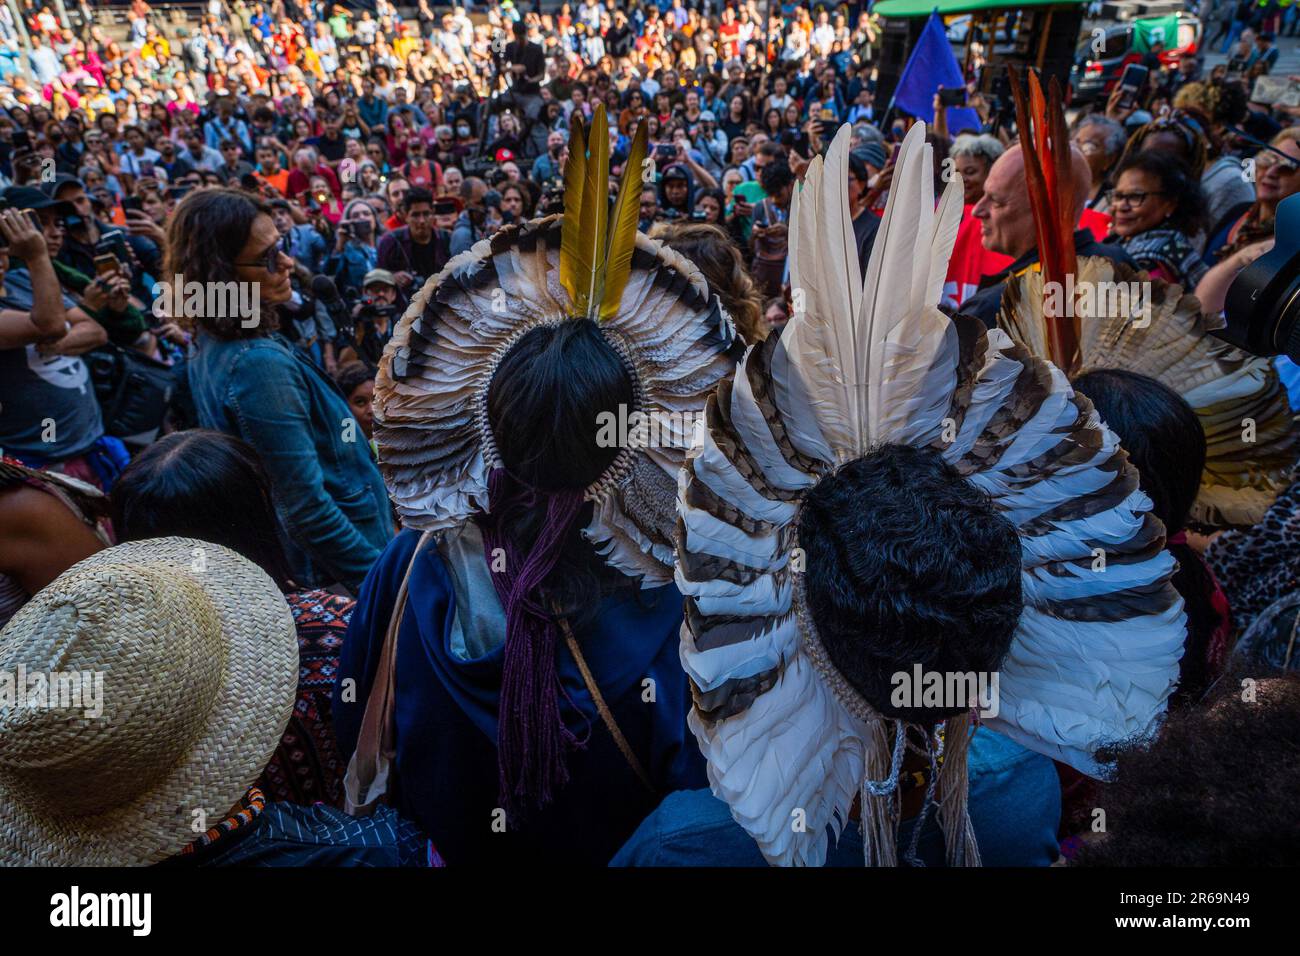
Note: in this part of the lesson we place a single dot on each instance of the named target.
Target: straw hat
(199, 663)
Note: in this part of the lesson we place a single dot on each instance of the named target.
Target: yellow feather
(622, 230)
(575, 171)
(593, 221)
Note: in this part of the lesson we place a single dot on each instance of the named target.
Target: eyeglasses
(1134, 199)
(270, 261)
(1267, 160)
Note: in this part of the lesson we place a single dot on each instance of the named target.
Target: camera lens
(1262, 309)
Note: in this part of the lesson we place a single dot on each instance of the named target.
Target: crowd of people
(449, 610)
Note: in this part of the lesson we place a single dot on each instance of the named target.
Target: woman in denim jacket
(226, 273)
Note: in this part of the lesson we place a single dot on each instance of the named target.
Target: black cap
(61, 180)
(29, 197)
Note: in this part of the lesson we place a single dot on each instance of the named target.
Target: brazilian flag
(1153, 30)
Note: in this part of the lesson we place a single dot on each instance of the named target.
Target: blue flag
(931, 66)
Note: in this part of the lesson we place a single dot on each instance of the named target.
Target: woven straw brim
(251, 708)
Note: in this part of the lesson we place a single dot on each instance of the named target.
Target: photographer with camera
(373, 319)
(87, 237)
(355, 251)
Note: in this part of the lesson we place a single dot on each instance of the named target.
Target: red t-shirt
(730, 35)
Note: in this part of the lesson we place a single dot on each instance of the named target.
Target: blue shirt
(450, 653)
(1015, 807)
(329, 497)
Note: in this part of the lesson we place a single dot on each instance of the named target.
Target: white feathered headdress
(436, 449)
(1095, 655)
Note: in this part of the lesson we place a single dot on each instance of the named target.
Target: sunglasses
(271, 260)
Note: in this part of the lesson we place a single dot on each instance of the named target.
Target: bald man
(1007, 227)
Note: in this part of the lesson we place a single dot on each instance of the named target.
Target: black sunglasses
(271, 260)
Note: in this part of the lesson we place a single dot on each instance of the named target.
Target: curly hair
(207, 230)
(723, 268)
(908, 563)
(1177, 182)
(1216, 788)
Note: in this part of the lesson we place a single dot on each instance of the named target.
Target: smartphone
(665, 152)
(132, 204)
(106, 264)
(1132, 81)
(953, 97)
(444, 207)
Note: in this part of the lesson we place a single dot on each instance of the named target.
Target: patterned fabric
(307, 767)
(1256, 566)
(249, 809)
(287, 835)
(1167, 251)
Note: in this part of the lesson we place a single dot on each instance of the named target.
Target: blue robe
(448, 681)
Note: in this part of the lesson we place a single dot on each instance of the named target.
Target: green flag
(1155, 30)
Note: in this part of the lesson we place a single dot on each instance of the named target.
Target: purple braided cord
(531, 734)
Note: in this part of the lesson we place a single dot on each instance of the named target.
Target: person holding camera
(49, 416)
(771, 232)
(373, 319)
(355, 252)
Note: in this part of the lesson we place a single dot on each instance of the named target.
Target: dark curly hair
(205, 234)
(908, 563)
(1176, 181)
(1216, 788)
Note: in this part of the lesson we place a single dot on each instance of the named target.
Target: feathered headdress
(436, 447)
(1095, 654)
(1122, 319)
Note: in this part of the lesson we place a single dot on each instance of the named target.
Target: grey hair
(982, 145)
(1116, 136)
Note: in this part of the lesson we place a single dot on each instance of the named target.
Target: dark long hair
(206, 485)
(543, 407)
(205, 235)
(1166, 443)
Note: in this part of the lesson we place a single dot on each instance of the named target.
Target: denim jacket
(329, 497)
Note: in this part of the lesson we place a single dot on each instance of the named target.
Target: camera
(1262, 309)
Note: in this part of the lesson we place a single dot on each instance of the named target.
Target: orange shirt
(280, 180)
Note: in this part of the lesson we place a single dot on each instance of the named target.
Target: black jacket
(987, 302)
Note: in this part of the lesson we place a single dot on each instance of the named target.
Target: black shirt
(534, 61)
(424, 258)
(332, 149)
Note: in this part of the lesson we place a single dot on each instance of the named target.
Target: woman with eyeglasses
(248, 380)
(1277, 176)
(1157, 210)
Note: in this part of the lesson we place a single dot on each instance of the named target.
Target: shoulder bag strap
(370, 769)
(601, 707)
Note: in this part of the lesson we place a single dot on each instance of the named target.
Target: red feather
(1045, 146)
